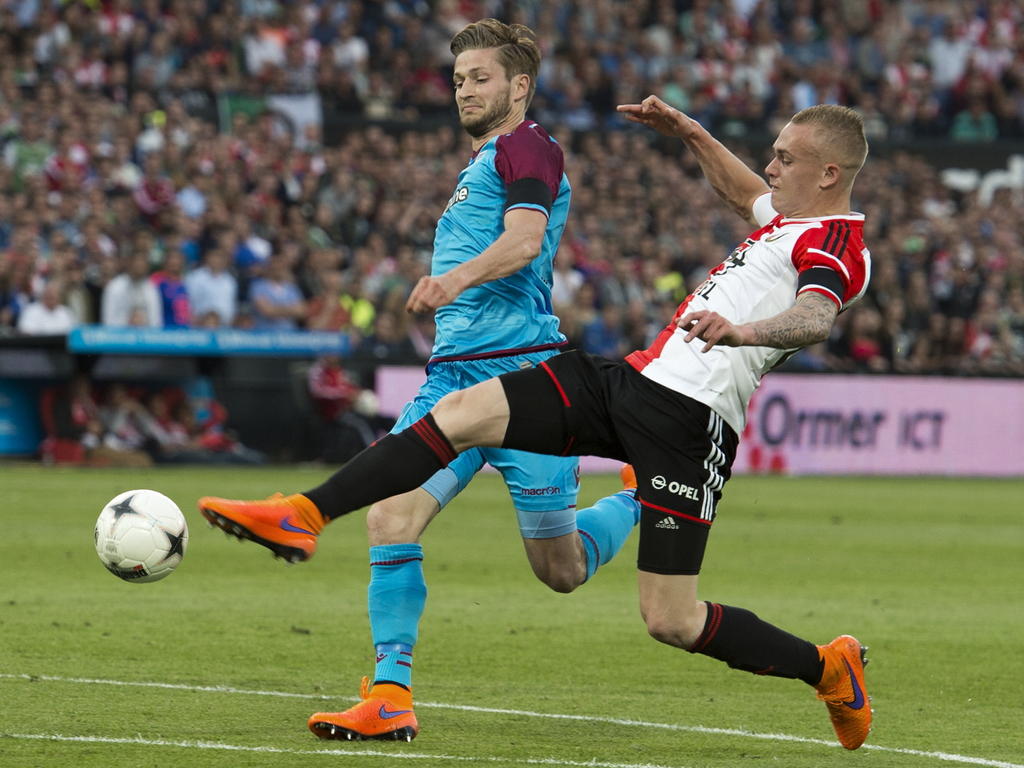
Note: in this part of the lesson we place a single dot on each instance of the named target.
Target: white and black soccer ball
(141, 536)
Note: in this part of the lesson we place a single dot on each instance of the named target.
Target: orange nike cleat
(286, 525)
(842, 689)
(628, 475)
(385, 713)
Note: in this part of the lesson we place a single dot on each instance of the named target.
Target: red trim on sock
(437, 442)
(424, 433)
(714, 620)
(395, 562)
(597, 549)
(404, 664)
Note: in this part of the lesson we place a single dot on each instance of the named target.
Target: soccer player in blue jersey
(490, 285)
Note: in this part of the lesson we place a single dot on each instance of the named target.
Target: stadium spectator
(47, 316)
(347, 412)
(213, 290)
(126, 428)
(276, 300)
(130, 298)
(325, 311)
(174, 298)
(71, 420)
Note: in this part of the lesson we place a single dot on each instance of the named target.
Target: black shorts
(582, 405)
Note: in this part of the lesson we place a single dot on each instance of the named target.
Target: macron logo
(668, 523)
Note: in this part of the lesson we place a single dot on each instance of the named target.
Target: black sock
(743, 641)
(393, 465)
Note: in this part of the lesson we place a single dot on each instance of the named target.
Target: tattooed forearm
(808, 322)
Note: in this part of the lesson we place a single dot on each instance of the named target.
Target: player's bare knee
(388, 523)
(679, 630)
(560, 577)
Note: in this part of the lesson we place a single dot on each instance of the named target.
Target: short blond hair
(518, 52)
(842, 131)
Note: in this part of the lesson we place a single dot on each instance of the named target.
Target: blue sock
(605, 526)
(396, 597)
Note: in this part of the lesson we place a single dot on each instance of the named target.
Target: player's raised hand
(430, 293)
(656, 114)
(712, 328)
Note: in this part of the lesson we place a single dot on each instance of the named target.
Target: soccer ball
(141, 536)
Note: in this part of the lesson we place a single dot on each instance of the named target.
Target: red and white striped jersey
(761, 278)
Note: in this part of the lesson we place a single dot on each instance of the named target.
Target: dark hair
(518, 53)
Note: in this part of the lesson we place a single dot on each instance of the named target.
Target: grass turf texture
(927, 572)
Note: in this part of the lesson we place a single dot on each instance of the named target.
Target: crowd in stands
(124, 426)
(130, 195)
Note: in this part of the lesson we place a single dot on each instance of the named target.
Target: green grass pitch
(928, 572)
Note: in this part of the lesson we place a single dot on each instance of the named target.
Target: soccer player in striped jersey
(490, 285)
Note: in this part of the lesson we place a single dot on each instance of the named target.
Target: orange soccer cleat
(628, 475)
(286, 525)
(842, 689)
(385, 713)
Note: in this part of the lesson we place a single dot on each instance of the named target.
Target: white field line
(138, 740)
(947, 756)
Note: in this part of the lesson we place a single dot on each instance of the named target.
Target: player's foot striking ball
(286, 525)
(842, 689)
(385, 713)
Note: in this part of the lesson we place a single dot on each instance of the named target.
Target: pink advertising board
(837, 424)
(884, 425)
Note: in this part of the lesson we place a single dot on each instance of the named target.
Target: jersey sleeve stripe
(827, 245)
(823, 291)
(528, 206)
(845, 228)
(830, 256)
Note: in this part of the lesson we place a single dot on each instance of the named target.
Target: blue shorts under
(543, 488)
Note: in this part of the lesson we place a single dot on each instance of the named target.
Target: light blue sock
(605, 526)
(396, 597)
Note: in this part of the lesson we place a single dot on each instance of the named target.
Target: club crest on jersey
(458, 196)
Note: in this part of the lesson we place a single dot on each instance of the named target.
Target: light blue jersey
(521, 169)
(503, 325)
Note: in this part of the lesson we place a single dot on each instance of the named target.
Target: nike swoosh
(385, 715)
(773, 238)
(287, 526)
(858, 694)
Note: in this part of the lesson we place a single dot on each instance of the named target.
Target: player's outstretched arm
(807, 322)
(517, 246)
(731, 179)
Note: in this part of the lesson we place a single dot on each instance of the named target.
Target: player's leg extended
(669, 606)
(395, 464)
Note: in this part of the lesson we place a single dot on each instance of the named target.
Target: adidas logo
(669, 523)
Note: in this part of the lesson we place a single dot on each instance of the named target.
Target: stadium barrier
(798, 423)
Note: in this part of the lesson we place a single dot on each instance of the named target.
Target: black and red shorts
(682, 451)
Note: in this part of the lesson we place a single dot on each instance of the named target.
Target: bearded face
(478, 119)
(483, 91)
